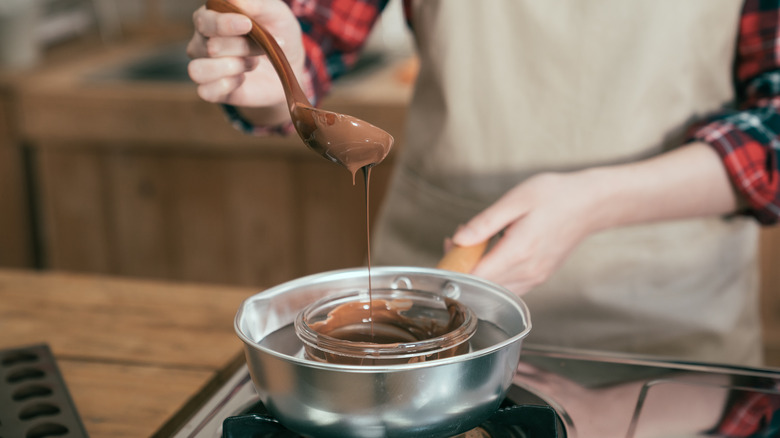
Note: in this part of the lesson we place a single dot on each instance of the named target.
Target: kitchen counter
(132, 353)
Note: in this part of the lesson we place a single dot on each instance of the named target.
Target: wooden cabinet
(144, 179)
(770, 292)
(234, 217)
(16, 238)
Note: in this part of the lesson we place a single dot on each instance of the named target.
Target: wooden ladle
(462, 259)
(340, 138)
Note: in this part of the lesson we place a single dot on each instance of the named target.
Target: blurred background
(110, 163)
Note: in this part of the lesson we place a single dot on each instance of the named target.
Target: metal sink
(165, 64)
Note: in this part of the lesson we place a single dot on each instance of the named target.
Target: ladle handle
(462, 258)
(264, 39)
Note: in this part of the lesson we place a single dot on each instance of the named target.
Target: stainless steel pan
(437, 398)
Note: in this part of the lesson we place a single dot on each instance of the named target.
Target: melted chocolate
(348, 322)
(346, 140)
(390, 336)
(367, 181)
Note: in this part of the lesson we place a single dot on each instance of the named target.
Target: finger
(215, 24)
(220, 90)
(513, 261)
(215, 47)
(500, 259)
(210, 26)
(264, 12)
(196, 48)
(232, 46)
(205, 70)
(518, 278)
(447, 246)
(274, 15)
(491, 221)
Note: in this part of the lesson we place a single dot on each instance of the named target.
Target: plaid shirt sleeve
(751, 415)
(747, 138)
(334, 31)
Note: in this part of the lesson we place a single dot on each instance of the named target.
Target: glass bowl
(391, 326)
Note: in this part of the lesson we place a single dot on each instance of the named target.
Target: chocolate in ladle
(340, 138)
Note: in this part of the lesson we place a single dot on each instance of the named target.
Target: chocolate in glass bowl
(391, 326)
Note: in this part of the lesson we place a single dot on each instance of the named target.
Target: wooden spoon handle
(264, 39)
(462, 258)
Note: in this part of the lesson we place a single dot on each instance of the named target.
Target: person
(622, 155)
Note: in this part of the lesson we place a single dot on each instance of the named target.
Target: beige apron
(509, 88)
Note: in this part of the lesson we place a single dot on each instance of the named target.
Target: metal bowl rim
(364, 369)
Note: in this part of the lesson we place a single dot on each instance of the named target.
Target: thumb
(490, 221)
(472, 233)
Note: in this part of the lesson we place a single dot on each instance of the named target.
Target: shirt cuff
(750, 163)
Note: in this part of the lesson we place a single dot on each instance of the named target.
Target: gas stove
(562, 393)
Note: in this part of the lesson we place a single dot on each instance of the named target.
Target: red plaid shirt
(746, 137)
(750, 415)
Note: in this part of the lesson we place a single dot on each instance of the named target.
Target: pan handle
(462, 259)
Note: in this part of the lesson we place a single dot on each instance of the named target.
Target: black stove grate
(34, 401)
(511, 421)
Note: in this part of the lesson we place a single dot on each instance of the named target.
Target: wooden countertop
(131, 352)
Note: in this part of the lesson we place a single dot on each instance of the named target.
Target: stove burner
(510, 421)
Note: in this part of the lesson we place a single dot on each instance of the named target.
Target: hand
(228, 67)
(543, 218)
